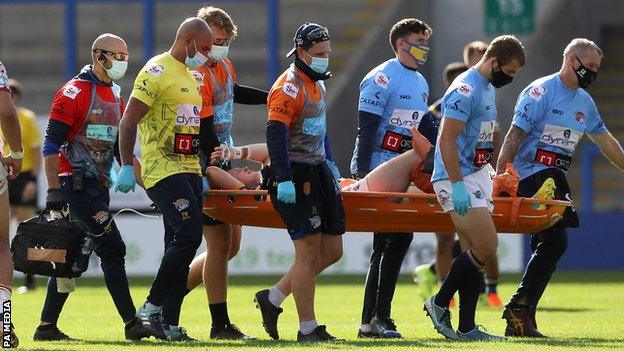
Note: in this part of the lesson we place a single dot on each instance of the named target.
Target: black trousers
(389, 250)
(179, 198)
(548, 245)
(90, 206)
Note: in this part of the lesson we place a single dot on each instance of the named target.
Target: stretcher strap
(515, 208)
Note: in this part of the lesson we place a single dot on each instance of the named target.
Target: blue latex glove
(461, 198)
(286, 192)
(334, 169)
(125, 179)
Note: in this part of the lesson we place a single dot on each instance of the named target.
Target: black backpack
(51, 247)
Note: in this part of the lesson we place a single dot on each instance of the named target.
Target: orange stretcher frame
(386, 212)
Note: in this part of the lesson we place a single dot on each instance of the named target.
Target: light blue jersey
(470, 99)
(399, 95)
(555, 119)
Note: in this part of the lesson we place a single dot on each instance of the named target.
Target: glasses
(119, 56)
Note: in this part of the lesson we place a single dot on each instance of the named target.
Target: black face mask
(500, 78)
(584, 75)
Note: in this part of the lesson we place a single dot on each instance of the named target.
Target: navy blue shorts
(318, 207)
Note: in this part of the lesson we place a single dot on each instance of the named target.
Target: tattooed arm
(510, 146)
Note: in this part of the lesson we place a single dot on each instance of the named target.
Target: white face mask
(219, 53)
(197, 60)
(117, 70)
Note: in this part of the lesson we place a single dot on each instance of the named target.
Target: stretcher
(387, 212)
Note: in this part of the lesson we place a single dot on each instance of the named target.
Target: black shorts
(318, 207)
(207, 220)
(16, 189)
(530, 185)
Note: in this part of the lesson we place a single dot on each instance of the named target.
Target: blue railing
(272, 16)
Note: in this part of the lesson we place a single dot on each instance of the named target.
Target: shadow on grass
(372, 344)
(573, 342)
(358, 279)
(566, 309)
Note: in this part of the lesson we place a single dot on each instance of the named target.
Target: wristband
(16, 155)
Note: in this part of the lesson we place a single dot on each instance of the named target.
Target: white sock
(276, 296)
(307, 327)
(5, 293)
(366, 328)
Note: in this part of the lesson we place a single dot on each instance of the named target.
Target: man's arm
(448, 147)
(510, 147)
(247, 95)
(135, 111)
(610, 147)
(11, 131)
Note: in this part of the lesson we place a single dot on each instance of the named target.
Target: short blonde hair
(472, 48)
(215, 16)
(579, 46)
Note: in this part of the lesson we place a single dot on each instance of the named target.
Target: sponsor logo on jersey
(71, 91)
(406, 118)
(465, 89)
(425, 97)
(405, 97)
(382, 80)
(564, 138)
(486, 132)
(396, 142)
(443, 197)
(290, 89)
(199, 77)
(537, 92)
(557, 112)
(155, 70)
(187, 115)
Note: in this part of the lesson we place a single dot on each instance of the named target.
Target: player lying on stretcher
(411, 166)
(410, 171)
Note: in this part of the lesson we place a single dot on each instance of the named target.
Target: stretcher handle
(374, 194)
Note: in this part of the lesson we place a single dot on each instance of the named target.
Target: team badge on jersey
(290, 89)
(465, 89)
(199, 77)
(537, 92)
(156, 70)
(71, 91)
(382, 80)
(580, 116)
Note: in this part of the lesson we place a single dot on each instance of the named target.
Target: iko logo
(405, 97)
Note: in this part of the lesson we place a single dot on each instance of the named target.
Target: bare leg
(331, 252)
(303, 272)
(237, 234)
(393, 175)
(444, 254)
(218, 241)
(6, 263)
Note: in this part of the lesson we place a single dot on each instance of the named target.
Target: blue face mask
(318, 64)
(197, 60)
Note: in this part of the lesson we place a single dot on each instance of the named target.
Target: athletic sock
(366, 328)
(276, 296)
(5, 293)
(219, 314)
(491, 282)
(461, 269)
(468, 297)
(307, 327)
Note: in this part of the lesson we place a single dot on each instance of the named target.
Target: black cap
(307, 35)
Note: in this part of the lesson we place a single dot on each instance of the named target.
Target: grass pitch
(578, 311)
